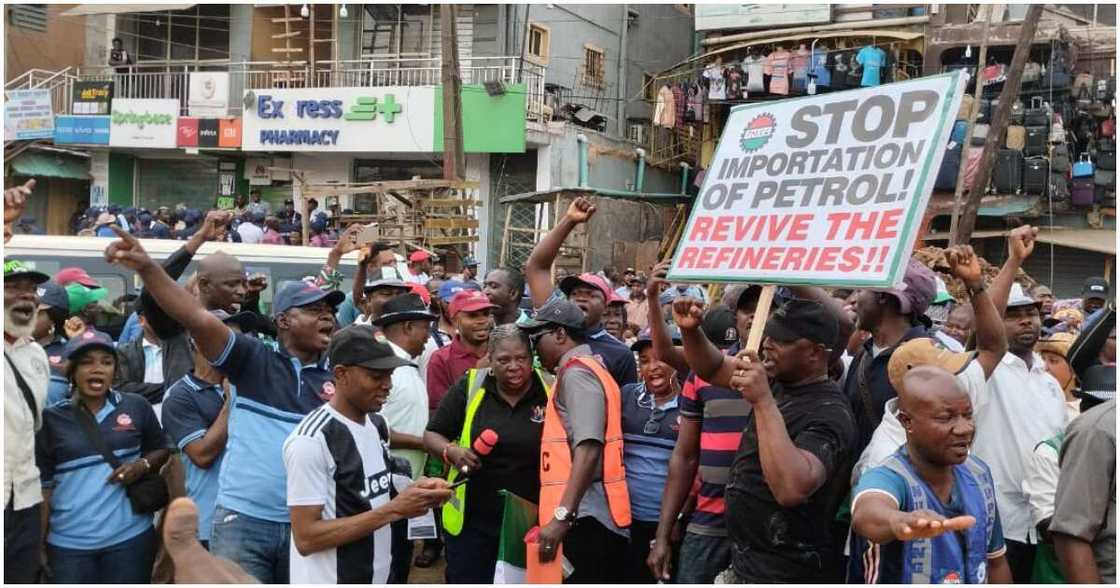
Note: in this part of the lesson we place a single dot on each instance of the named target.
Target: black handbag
(149, 493)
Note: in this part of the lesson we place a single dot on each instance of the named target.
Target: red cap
(71, 275)
(572, 282)
(470, 301)
(421, 291)
(614, 298)
(419, 256)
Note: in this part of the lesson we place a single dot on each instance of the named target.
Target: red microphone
(483, 445)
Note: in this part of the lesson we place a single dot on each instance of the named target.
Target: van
(282, 264)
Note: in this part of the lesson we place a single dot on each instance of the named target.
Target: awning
(1097, 240)
(89, 9)
(40, 165)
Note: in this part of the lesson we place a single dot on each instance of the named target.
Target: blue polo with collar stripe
(271, 392)
(189, 409)
(646, 454)
(87, 512)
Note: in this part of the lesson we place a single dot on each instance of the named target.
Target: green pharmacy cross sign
(367, 108)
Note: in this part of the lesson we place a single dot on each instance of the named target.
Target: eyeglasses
(654, 423)
(535, 338)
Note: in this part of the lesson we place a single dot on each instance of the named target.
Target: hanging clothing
(735, 84)
(840, 70)
(755, 67)
(799, 64)
(695, 103)
(819, 67)
(872, 59)
(664, 111)
(777, 67)
(680, 103)
(717, 87)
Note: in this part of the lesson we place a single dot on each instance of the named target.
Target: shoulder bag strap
(89, 427)
(23, 387)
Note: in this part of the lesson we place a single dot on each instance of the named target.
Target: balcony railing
(172, 80)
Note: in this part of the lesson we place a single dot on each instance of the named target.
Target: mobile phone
(458, 483)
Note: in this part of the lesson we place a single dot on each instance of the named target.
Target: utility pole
(977, 94)
(454, 162)
(998, 127)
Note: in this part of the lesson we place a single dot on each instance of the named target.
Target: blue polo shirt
(615, 355)
(87, 512)
(190, 407)
(271, 393)
(646, 455)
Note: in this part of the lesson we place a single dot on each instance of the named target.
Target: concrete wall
(488, 32)
(62, 45)
(659, 38)
(612, 164)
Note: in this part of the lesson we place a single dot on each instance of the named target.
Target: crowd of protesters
(891, 435)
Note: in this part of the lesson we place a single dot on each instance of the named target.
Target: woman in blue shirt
(649, 431)
(93, 535)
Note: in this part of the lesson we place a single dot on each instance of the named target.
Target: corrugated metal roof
(41, 165)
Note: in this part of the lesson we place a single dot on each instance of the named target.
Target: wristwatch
(147, 464)
(974, 291)
(564, 515)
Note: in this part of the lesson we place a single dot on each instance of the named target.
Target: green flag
(518, 516)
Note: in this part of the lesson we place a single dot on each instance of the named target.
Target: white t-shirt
(717, 89)
(406, 410)
(337, 463)
(250, 233)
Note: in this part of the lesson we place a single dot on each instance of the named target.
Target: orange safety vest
(556, 455)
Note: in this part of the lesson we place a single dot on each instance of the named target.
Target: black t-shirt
(771, 543)
(514, 463)
(876, 384)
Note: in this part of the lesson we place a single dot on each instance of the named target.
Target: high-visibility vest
(556, 455)
(454, 510)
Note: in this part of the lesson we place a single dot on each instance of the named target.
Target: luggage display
(1082, 83)
(1018, 113)
(959, 129)
(972, 166)
(980, 134)
(1083, 167)
(1059, 187)
(1036, 176)
(1082, 192)
(1105, 196)
(1106, 160)
(946, 180)
(1108, 127)
(1105, 178)
(1008, 174)
(966, 107)
(1016, 137)
(1037, 115)
(1059, 159)
(1035, 143)
(985, 115)
(1106, 144)
(1032, 72)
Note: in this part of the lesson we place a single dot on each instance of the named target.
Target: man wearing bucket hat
(275, 388)
(25, 393)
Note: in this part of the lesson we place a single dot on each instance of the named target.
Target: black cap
(646, 337)
(1098, 383)
(803, 319)
(54, 296)
(14, 269)
(87, 340)
(1095, 287)
(406, 307)
(749, 296)
(720, 327)
(298, 294)
(561, 313)
(359, 345)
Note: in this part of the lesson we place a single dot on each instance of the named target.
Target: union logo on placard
(758, 132)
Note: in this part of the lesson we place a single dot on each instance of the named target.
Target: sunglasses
(535, 338)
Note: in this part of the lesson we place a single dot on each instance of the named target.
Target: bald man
(928, 515)
(221, 282)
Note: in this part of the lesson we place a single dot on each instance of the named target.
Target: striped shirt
(722, 414)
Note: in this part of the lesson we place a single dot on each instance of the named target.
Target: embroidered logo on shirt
(124, 423)
(327, 392)
(951, 578)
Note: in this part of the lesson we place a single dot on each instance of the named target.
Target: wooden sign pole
(761, 313)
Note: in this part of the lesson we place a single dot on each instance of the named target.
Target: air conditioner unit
(637, 133)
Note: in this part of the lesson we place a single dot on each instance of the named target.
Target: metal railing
(172, 80)
(59, 83)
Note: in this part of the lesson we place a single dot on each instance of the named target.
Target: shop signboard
(81, 130)
(209, 94)
(92, 98)
(229, 133)
(144, 123)
(826, 190)
(28, 114)
(391, 118)
(209, 133)
(711, 17)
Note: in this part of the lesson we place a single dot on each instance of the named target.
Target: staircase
(61, 85)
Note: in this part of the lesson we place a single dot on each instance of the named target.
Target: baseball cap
(70, 275)
(14, 268)
(942, 295)
(51, 295)
(419, 256)
(299, 294)
(646, 337)
(917, 289)
(749, 296)
(469, 261)
(385, 283)
(668, 296)
(450, 288)
(1017, 297)
(803, 319)
(719, 327)
(407, 307)
(1098, 383)
(615, 298)
(421, 291)
(1066, 315)
(562, 313)
(586, 279)
(1095, 287)
(89, 339)
(80, 296)
(470, 301)
(924, 351)
(358, 345)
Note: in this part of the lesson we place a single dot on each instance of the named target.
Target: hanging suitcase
(980, 134)
(1105, 178)
(1016, 137)
(1082, 191)
(1032, 72)
(946, 180)
(1059, 159)
(1008, 174)
(1106, 160)
(1083, 167)
(1106, 144)
(966, 107)
(1036, 176)
(1035, 143)
(1059, 187)
(959, 129)
(1018, 113)
(1036, 115)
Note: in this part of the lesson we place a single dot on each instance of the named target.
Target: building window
(538, 43)
(398, 29)
(198, 33)
(29, 17)
(594, 66)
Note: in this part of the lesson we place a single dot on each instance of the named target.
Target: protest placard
(825, 189)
